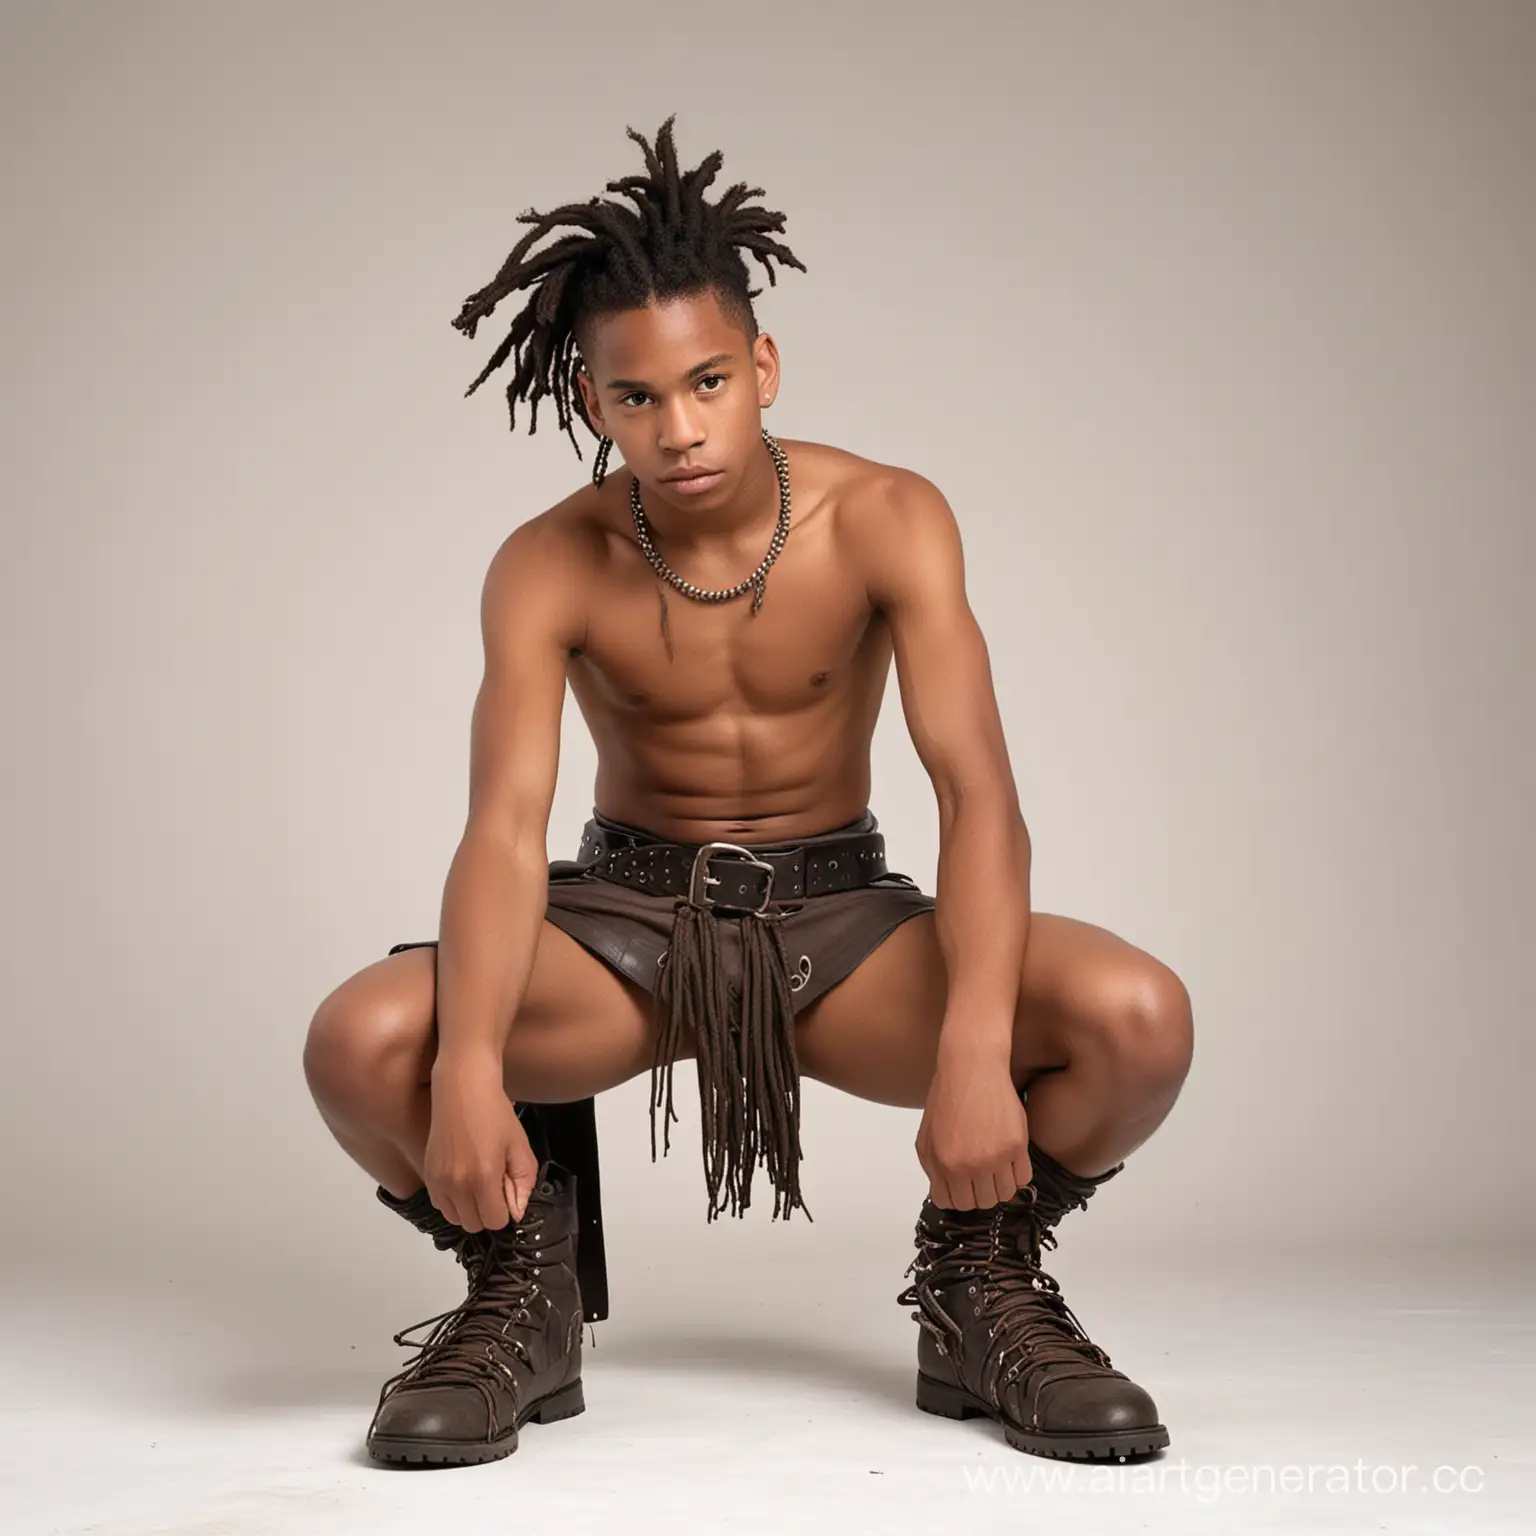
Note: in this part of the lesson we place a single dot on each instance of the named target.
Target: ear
(589, 398)
(765, 361)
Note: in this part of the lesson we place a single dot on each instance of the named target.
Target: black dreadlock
(671, 244)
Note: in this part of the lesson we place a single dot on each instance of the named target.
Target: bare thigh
(581, 1028)
(875, 1034)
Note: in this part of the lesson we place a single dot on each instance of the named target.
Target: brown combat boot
(999, 1339)
(509, 1352)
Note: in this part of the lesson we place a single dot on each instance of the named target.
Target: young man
(726, 610)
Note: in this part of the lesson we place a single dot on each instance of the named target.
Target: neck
(754, 507)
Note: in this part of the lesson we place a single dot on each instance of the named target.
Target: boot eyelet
(970, 1290)
(546, 1188)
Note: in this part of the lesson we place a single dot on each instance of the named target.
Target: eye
(718, 377)
(636, 394)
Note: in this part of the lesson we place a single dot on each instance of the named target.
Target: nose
(678, 427)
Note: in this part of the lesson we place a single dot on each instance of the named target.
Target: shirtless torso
(710, 721)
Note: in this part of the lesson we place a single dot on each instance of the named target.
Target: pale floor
(143, 1409)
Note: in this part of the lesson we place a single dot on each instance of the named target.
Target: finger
(961, 1195)
(493, 1205)
(517, 1191)
(469, 1210)
(1023, 1169)
(940, 1190)
(519, 1180)
(444, 1203)
(986, 1191)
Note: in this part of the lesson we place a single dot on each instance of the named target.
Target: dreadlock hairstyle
(671, 243)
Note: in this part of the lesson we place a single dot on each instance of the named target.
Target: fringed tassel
(770, 1067)
(692, 998)
(749, 1080)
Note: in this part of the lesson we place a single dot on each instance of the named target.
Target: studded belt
(729, 875)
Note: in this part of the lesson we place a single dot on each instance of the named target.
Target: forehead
(663, 340)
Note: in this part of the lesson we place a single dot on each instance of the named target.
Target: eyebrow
(698, 368)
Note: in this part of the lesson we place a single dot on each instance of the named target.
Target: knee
(1150, 1030)
(353, 1046)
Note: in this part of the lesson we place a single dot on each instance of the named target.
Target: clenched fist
(480, 1169)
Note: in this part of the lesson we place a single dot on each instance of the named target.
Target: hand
(973, 1142)
(479, 1168)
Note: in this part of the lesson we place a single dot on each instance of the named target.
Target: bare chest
(652, 651)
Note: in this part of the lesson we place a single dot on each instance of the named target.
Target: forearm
(982, 920)
(494, 902)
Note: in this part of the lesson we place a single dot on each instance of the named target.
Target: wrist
(466, 1063)
(967, 1041)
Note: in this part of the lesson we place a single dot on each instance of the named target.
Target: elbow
(501, 838)
(994, 801)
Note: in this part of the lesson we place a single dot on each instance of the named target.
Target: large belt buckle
(701, 877)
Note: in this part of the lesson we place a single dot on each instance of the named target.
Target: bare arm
(916, 578)
(497, 887)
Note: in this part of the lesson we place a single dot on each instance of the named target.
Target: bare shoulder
(896, 527)
(859, 490)
(833, 476)
(541, 573)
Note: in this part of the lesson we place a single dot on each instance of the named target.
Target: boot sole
(956, 1403)
(405, 1450)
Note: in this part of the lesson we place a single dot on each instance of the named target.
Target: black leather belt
(729, 875)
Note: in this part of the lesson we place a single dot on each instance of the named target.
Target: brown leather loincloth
(734, 981)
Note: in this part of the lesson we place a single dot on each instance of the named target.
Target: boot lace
(475, 1343)
(1030, 1327)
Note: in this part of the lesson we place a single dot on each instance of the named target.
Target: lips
(685, 477)
(695, 485)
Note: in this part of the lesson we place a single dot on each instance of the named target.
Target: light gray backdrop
(1213, 321)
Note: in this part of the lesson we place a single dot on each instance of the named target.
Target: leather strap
(798, 870)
